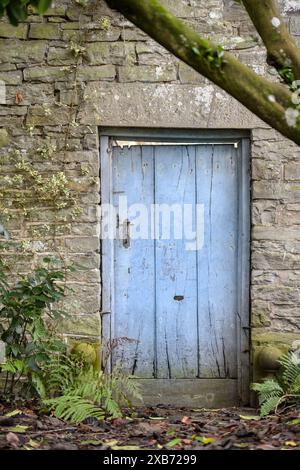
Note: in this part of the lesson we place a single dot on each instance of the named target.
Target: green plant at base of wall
(26, 315)
(285, 390)
(79, 390)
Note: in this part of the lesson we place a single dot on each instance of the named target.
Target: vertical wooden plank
(106, 244)
(134, 265)
(243, 280)
(216, 168)
(176, 274)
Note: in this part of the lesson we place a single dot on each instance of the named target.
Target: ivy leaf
(290, 443)
(174, 442)
(204, 440)
(294, 422)
(18, 429)
(250, 417)
(13, 413)
(91, 442)
(196, 51)
(125, 448)
(43, 6)
(33, 444)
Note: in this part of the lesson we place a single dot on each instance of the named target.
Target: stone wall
(81, 67)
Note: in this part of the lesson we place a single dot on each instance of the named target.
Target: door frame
(241, 140)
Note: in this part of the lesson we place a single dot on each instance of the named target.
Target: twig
(50, 431)
(284, 398)
(37, 433)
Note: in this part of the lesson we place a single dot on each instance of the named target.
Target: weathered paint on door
(180, 306)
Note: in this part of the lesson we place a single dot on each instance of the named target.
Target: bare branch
(266, 99)
(282, 50)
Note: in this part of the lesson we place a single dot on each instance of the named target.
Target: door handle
(126, 233)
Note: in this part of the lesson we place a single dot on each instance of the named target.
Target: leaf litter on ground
(151, 428)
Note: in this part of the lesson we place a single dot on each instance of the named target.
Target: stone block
(261, 337)
(94, 35)
(57, 10)
(275, 232)
(82, 156)
(189, 75)
(7, 67)
(275, 255)
(82, 299)
(11, 78)
(292, 172)
(295, 25)
(3, 138)
(118, 53)
(45, 31)
(264, 212)
(151, 53)
(47, 74)
(60, 56)
(147, 73)
(86, 325)
(36, 93)
(15, 51)
(82, 244)
(47, 115)
(288, 192)
(133, 34)
(13, 32)
(84, 261)
(266, 170)
(96, 72)
(161, 105)
(276, 294)
(260, 313)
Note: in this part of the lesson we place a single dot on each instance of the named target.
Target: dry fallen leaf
(186, 441)
(13, 439)
(250, 417)
(19, 98)
(13, 413)
(91, 442)
(186, 420)
(294, 422)
(174, 442)
(18, 428)
(34, 444)
(125, 448)
(204, 440)
(290, 443)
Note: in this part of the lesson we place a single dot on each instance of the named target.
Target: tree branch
(266, 99)
(281, 48)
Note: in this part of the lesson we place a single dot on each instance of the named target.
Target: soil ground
(152, 428)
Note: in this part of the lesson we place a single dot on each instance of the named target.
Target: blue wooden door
(176, 270)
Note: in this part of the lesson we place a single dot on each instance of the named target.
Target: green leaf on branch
(43, 6)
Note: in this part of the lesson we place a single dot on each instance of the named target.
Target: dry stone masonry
(83, 66)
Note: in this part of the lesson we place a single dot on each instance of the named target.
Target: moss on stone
(85, 352)
(272, 339)
(3, 138)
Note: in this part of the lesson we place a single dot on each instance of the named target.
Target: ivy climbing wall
(83, 66)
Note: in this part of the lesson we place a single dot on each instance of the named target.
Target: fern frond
(74, 408)
(112, 407)
(80, 392)
(269, 405)
(267, 390)
(291, 369)
(272, 393)
(295, 387)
